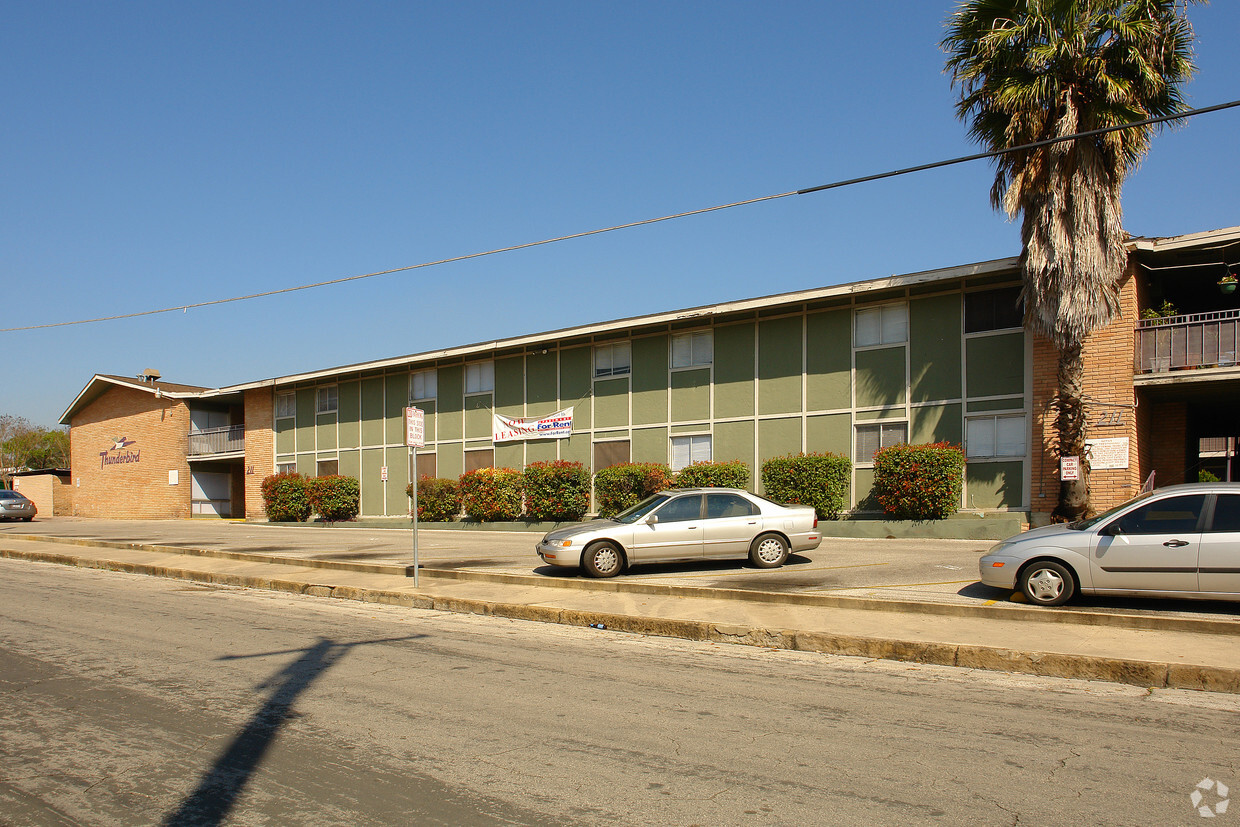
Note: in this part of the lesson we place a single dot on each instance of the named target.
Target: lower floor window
(286, 467)
(995, 436)
(484, 458)
(327, 467)
(872, 438)
(687, 450)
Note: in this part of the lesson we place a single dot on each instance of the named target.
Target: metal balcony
(1197, 340)
(227, 440)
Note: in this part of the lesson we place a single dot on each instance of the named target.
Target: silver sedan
(685, 524)
(14, 506)
(1179, 541)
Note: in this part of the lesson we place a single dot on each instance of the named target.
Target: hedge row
(919, 482)
(293, 497)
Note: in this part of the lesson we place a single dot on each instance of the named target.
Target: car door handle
(1176, 543)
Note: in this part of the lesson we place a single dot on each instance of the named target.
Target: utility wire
(835, 185)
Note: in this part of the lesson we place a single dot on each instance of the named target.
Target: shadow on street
(219, 788)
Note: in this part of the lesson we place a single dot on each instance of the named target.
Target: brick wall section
(260, 449)
(1168, 430)
(1109, 390)
(51, 494)
(133, 489)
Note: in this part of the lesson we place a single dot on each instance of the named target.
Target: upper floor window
(480, 377)
(693, 349)
(423, 384)
(995, 436)
(998, 309)
(328, 400)
(612, 360)
(884, 325)
(286, 405)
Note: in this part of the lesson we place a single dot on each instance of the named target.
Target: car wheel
(768, 551)
(602, 560)
(27, 519)
(1047, 583)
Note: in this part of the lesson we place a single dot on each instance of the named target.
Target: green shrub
(733, 474)
(1206, 476)
(491, 494)
(620, 486)
(558, 490)
(334, 498)
(284, 498)
(438, 499)
(919, 482)
(820, 480)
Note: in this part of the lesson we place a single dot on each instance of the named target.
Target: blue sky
(161, 154)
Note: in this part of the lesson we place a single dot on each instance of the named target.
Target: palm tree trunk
(1070, 421)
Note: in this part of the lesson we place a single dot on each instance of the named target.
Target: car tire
(768, 551)
(602, 560)
(1047, 583)
(27, 519)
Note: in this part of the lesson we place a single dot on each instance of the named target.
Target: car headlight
(997, 547)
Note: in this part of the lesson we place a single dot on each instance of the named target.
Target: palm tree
(1035, 70)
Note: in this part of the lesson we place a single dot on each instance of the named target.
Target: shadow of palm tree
(218, 790)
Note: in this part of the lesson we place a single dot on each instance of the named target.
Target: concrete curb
(1011, 611)
(1047, 664)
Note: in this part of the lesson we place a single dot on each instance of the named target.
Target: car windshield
(1083, 525)
(636, 512)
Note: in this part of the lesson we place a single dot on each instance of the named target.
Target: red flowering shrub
(284, 498)
(438, 499)
(491, 494)
(919, 482)
(734, 474)
(820, 480)
(334, 498)
(618, 487)
(557, 490)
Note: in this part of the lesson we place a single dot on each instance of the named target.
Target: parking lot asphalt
(906, 599)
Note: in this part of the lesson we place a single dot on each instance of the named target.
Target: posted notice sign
(415, 427)
(1069, 469)
(558, 425)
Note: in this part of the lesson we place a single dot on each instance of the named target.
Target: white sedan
(685, 524)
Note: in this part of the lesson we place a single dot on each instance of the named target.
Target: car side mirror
(652, 519)
(1113, 530)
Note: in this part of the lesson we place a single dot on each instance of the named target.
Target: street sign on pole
(415, 438)
(415, 427)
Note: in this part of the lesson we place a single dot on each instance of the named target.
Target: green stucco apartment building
(847, 369)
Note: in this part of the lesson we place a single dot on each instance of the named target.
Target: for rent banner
(558, 425)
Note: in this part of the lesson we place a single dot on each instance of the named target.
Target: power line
(835, 185)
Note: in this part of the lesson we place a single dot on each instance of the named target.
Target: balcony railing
(227, 440)
(1196, 340)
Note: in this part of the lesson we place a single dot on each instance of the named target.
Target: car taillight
(815, 525)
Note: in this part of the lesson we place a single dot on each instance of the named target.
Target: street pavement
(915, 600)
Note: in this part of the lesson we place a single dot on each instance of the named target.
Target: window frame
(485, 375)
(433, 375)
(882, 310)
(700, 356)
(318, 463)
(693, 439)
(880, 424)
(332, 393)
(969, 441)
(613, 371)
(291, 396)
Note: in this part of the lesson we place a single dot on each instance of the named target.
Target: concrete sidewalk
(1144, 649)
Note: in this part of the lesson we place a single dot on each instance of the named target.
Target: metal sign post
(415, 438)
